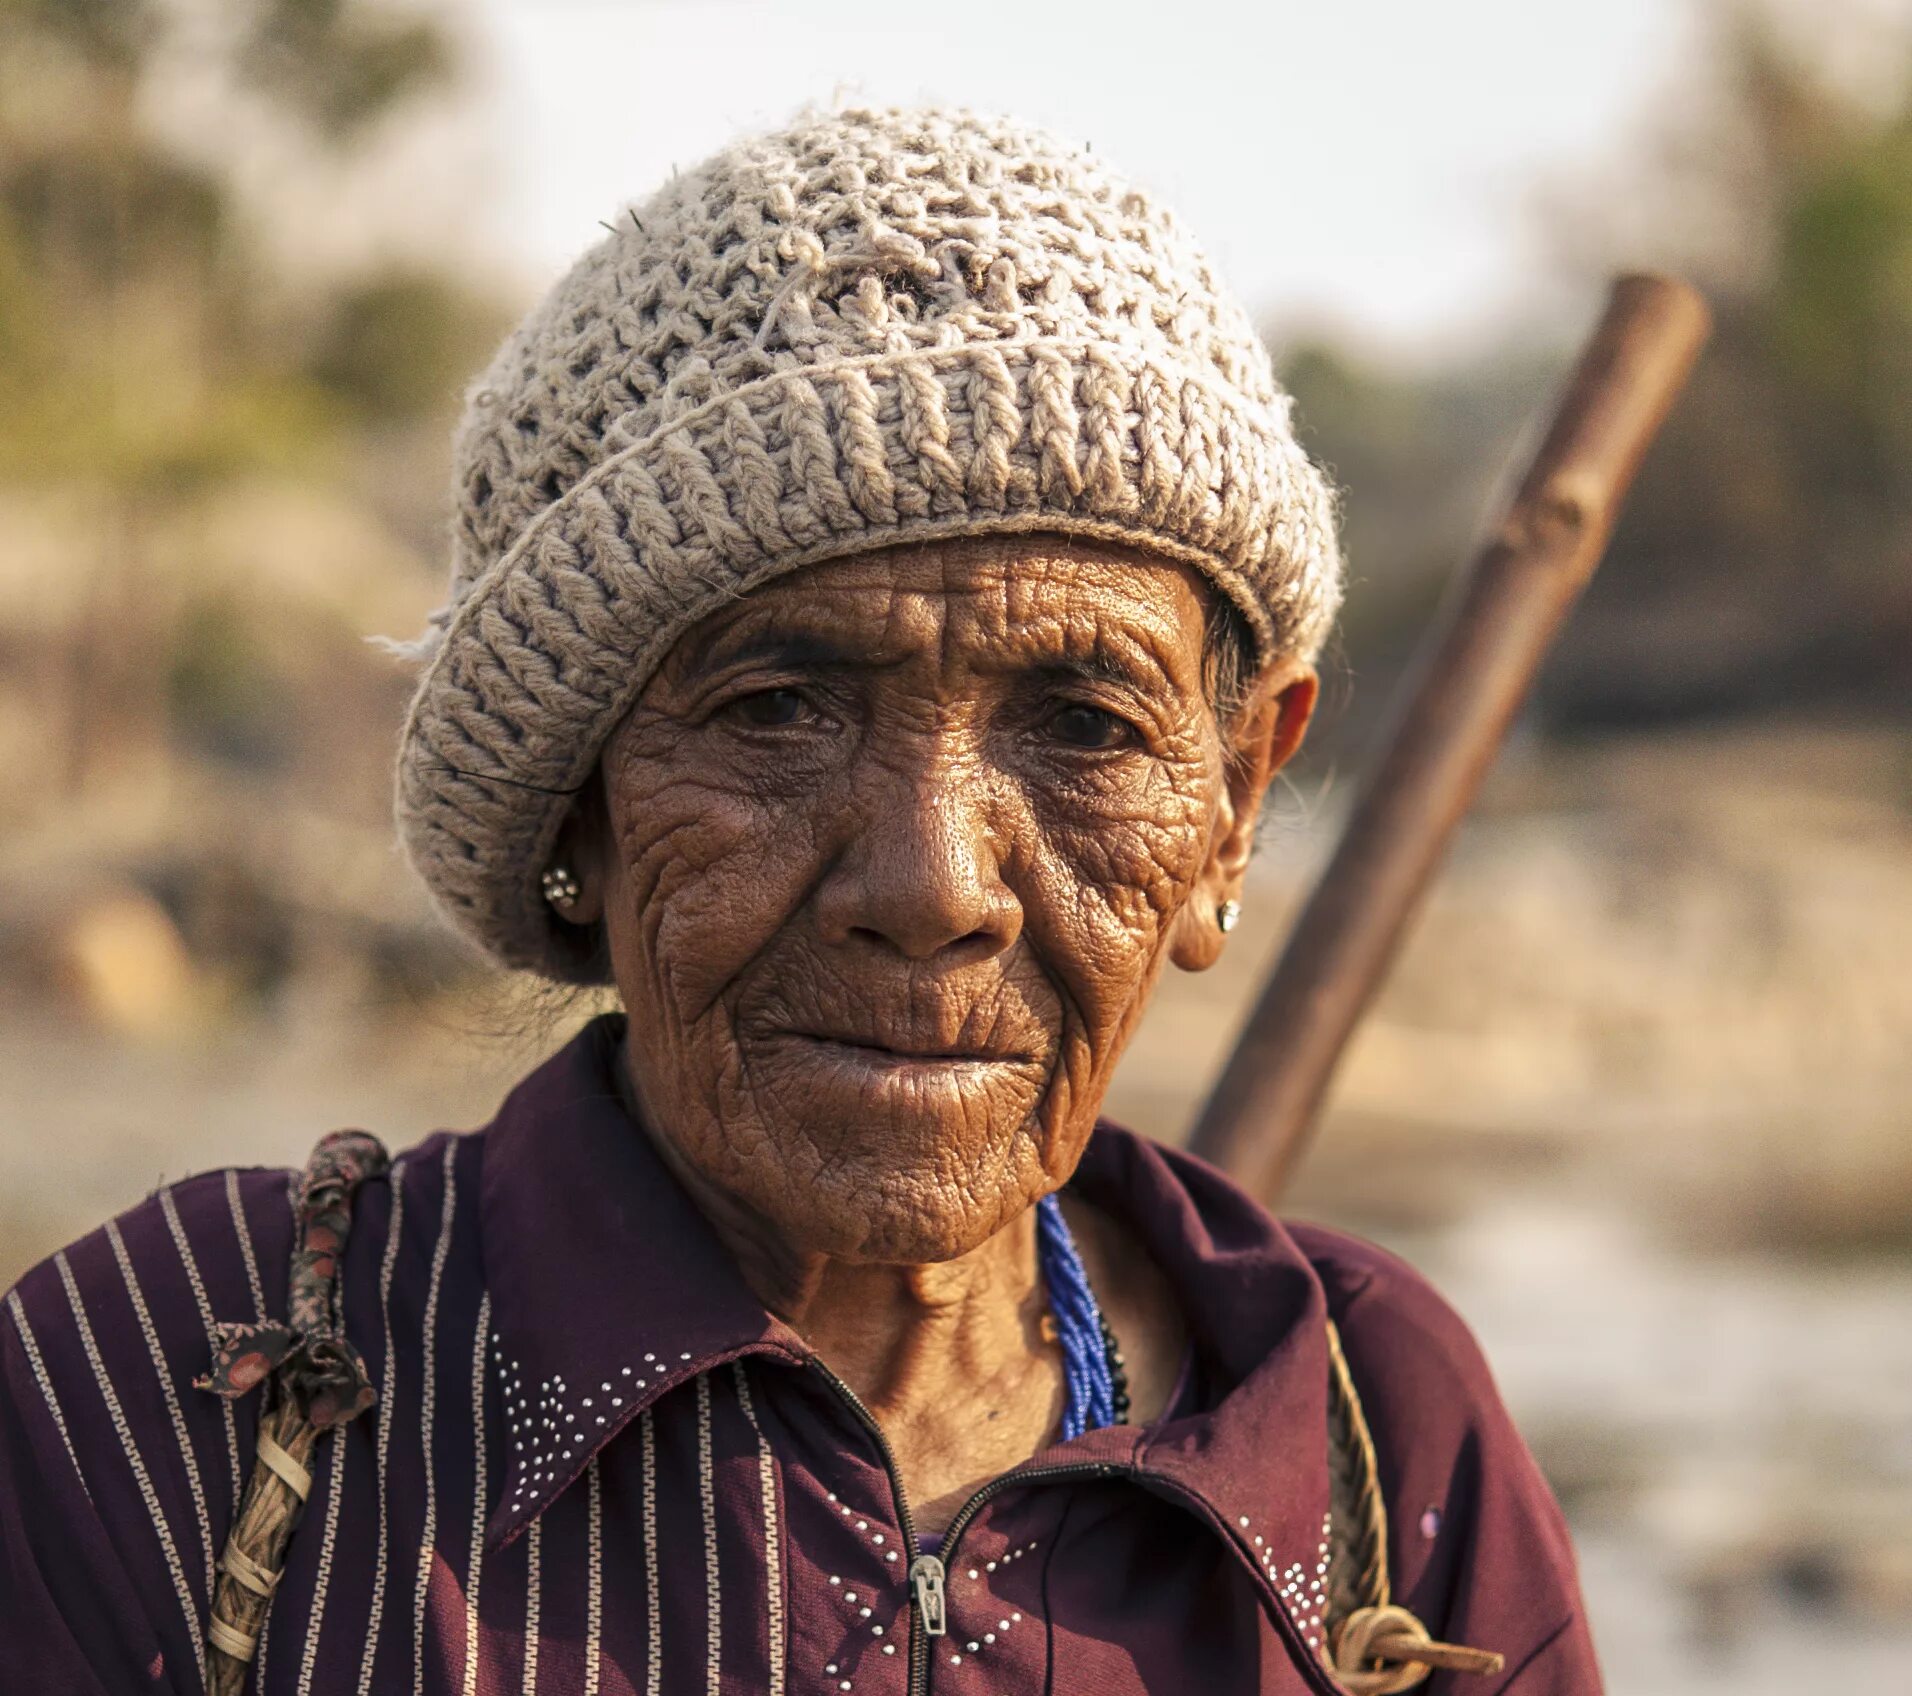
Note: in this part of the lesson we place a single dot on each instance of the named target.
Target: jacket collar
(609, 1288)
(1255, 1464)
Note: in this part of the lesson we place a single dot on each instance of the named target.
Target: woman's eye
(769, 708)
(1090, 727)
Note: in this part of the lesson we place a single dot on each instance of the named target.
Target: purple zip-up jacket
(597, 1464)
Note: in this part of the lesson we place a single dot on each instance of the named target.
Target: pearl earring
(561, 888)
(1227, 916)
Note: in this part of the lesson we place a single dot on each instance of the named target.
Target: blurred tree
(1417, 456)
(152, 348)
(392, 346)
(340, 64)
(1766, 555)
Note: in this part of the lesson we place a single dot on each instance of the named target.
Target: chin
(905, 1216)
(901, 1240)
(895, 1163)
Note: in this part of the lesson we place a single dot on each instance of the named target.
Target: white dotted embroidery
(1004, 1559)
(859, 1604)
(1304, 1595)
(544, 1429)
(975, 1646)
(877, 1538)
(863, 1611)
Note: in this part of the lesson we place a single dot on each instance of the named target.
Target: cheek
(704, 875)
(1116, 869)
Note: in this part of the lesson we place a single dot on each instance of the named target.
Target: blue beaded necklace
(1097, 1392)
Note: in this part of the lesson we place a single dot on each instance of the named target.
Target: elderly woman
(885, 584)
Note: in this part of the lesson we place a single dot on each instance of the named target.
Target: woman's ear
(583, 849)
(1260, 739)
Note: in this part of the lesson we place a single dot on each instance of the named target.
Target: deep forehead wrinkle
(1061, 616)
(1120, 663)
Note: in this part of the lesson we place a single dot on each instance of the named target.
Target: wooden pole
(1454, 708)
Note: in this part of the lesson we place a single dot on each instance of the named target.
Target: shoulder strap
(315, 1382)
(1375, 1648)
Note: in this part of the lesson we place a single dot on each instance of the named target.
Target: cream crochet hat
(873, 327)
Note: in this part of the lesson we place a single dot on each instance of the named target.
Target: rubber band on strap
(227, 1640)
(260, 1580)
(294, 1476)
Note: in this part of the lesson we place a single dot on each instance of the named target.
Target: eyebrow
(1098, 665)
(817, 650)
(799, 650)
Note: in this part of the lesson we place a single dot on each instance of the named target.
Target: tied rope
(1090, 1402)
(315, 1383)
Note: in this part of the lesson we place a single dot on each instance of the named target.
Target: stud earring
(1227, 916)
(561, 888)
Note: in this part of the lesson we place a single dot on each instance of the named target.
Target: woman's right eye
(767, 709)
(1094, 729)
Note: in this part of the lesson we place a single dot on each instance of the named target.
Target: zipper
(919, 1638)
(928, 1574)
(904, 1522)
(1015, 1478)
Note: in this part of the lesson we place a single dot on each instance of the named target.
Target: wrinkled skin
(889, 855)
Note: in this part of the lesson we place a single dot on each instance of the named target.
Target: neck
(908, 1339)
(913, 1339)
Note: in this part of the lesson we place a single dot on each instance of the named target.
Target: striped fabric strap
(232, 1642)
(260, 1580)
(294, 1476)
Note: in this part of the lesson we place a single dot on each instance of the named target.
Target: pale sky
(1367, 164)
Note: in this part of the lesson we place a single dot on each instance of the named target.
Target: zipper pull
(926, 1579)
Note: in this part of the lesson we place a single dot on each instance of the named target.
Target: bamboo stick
(1452, 712)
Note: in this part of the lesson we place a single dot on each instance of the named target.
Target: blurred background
(1639, 1097)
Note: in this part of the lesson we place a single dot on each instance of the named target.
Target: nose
(921, 872)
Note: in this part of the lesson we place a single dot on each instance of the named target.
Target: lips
(871, 1019)
(892, 1052)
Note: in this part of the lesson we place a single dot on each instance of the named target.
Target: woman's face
(890, 855)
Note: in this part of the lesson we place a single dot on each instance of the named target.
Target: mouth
(865, 1055)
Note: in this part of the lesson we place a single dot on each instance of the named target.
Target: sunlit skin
(890, 854)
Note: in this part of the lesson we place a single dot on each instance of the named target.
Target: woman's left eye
(1092, 728)
(769, 708)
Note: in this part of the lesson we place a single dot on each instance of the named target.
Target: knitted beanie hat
(873, 327)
